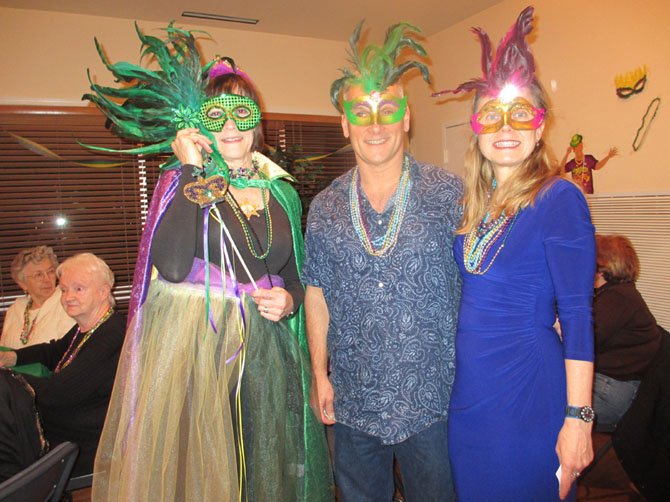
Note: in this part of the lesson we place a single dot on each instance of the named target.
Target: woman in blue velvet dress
(519, 419)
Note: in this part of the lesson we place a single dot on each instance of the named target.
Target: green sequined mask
(215, 112)
(381, 108)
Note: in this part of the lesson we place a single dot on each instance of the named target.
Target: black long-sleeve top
(73, 402)
(178, 240)
(626, 334)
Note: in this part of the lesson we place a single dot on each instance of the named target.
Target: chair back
(642, 437)
(44, 480)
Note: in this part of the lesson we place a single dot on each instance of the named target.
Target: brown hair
(31, 255)
(232, 83)
(520, 191)
(617, 259)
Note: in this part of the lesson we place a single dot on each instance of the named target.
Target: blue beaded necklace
(383, 245)
(479, 242)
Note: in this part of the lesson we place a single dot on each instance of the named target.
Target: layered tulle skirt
(184, 425)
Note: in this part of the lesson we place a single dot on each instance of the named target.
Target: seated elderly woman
(38, 316)
(626, 335)
(70, 405)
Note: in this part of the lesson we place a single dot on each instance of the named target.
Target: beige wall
(45, 56)
(579, 47)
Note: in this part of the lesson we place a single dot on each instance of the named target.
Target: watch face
(587, 414)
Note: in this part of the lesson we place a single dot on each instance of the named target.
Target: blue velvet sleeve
(571, 256)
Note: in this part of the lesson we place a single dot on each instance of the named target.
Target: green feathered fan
(151, 106)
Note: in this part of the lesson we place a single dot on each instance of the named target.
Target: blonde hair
(31, 255)
(521, 189)
(93, 265)
(616, 258)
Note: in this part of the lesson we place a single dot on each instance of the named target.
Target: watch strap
(584, 413)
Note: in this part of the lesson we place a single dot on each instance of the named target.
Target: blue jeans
(611, 399)
(364, 466)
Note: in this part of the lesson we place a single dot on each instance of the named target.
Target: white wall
(579, 48)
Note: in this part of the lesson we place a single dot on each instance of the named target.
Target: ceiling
(324, 19)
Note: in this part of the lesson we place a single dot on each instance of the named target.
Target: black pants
(21, 441)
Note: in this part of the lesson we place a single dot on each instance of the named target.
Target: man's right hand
(321, 400)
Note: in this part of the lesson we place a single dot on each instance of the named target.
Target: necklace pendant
(205, 192)
(247, 229)
(249, 208)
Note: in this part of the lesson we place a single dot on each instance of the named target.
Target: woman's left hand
(273, 304)
(7, 359)
(574, 450)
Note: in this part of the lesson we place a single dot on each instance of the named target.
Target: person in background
(37, 413)
(520, 414)
(38, 316)
(582, 166)
(383, 290)
(626, 334)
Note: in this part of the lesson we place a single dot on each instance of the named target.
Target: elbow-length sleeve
(569, 241)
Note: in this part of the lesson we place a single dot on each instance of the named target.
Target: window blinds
(50, 199)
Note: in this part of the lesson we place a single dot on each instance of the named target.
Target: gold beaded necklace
(478, 243)
(28, 328)
(385, 244)
(70, 354)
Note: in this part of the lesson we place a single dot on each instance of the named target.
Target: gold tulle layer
(170, 433)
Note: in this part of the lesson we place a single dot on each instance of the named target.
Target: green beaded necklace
(234, 205)
(384, 245)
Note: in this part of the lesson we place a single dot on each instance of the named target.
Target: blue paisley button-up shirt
(392, 319)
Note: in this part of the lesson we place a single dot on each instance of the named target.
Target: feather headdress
(513, 62)
(375, 68)
(151, 106)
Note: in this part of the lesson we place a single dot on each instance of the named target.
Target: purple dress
(509, 397)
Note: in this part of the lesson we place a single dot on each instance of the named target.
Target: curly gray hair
(31, 255)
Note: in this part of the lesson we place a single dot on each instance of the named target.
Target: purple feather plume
(513, 61)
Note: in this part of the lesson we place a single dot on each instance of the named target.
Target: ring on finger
(576, 474)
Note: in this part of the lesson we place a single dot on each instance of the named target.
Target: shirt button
(381, 284)
(379, 222)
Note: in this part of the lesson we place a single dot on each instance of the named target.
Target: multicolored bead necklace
(479, 243)
(28, 329)
(234, 205)
(70, 354)
(245, 172)
(384, 244)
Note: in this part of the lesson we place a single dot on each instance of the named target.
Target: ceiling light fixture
(219, 17)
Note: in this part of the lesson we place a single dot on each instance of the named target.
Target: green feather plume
(151, 106)
(375, 68)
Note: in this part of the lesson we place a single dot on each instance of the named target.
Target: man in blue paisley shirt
(382, 295)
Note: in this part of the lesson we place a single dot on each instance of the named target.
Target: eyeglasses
(42, 274)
